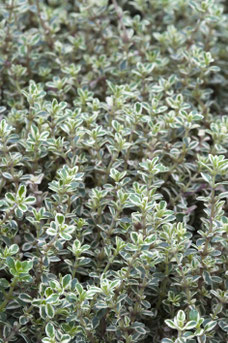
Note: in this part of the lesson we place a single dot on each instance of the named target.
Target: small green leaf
(207, 177)
(65, 236)
(10, 262)
(190, 325)
(134, 237)
(170, 324)
(21, 192)
(18, 213)
(180, 318)
(4, 283)
(223, 324)
(135, 199)
(49, 310)
(30, 200)
(210, 326)
(10, 198)
(79, 288)
(59, 218)
(13, 249)
(194, 315)
(66, 280)
(22, 207)
(25, 297)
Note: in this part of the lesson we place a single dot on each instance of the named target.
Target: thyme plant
(113, 165)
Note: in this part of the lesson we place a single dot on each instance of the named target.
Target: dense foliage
(113, 142)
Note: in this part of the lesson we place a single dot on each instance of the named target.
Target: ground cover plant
(113, 171)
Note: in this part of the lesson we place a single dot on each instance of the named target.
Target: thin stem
(125, 37)
(44, 25)
(8, 296)
(211, 219)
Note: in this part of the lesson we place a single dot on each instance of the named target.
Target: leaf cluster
(113, 171)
